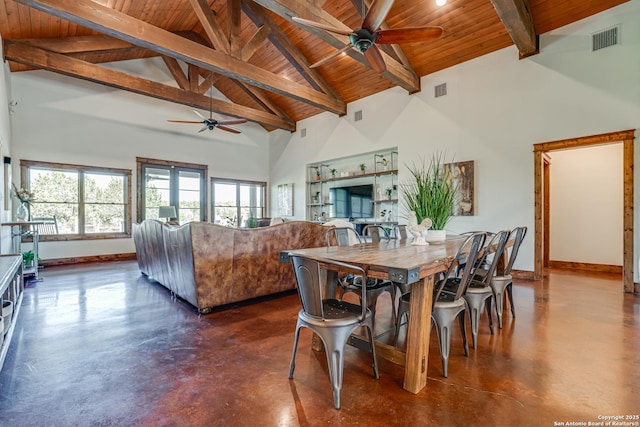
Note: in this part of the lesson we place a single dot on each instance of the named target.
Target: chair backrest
(469, 250)
(493, 253)
(49, 225)
(343, 236)
(310, 282)
(400, 232)
(517, 234)
(376, 232)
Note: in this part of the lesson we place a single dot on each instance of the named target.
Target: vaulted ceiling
(256, 55)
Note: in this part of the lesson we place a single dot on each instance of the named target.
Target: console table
(11, 288)
(25, 228)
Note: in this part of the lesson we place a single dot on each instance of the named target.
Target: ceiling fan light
(441, 2)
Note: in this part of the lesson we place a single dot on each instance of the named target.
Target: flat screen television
(355, 201)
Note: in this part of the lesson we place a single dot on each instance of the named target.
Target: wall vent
(605, 38)
(440, 90)
(303, 132)
(357, 116)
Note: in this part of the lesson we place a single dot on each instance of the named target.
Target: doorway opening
(541, 191)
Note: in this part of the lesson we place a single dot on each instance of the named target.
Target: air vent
(357, 116)
(303, 132)
(605, 38)
(441, 90)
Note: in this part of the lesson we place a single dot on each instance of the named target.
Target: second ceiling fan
(212, 123)
(364, 39)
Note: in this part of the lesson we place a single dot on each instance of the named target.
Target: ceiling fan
(212, 123)
(364, 39)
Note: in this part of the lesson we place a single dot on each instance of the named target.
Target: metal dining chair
(375, 232)
(400, 232)
(447, 306)
(351, 283)
(343, 236)
(331, 319)
(478, 293)
(503, 281)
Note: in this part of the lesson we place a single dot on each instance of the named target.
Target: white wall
(5, 143)
(496, 108)
(65, 120)
(586, 205)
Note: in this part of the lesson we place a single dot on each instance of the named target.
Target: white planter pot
(436, 236)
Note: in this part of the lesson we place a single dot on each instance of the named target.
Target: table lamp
(167, 212)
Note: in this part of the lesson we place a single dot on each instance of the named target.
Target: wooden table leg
(417, 359)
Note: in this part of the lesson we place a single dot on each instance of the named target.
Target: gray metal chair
(375, 232)
(447, 306)
(351, 283)
(503, 281)
(400, 232)
(343, 236)
(479, 294)
(331, 319)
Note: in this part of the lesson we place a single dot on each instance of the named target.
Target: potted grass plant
(430, 193)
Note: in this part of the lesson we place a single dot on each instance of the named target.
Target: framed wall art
(285, 199)
(462, 174)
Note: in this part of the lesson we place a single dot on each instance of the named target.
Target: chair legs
(476, 302)
(334, 343)
(443, 319)
(499, 285)
(292, 365)
(403, 308)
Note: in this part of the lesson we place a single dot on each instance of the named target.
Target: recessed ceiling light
(441, 2)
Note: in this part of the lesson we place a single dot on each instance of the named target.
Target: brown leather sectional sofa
(209, 265)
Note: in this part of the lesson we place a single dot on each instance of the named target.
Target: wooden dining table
(404, 263)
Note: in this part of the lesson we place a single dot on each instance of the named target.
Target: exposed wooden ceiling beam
(177, 73)
(140, 33)
(62, 64)
(396, 72)
(255, 42)
(516, 17)
(234, 14)
(260, 17)
(210, 24)
(81, 44)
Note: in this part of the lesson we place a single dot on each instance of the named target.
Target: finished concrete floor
(100, 345)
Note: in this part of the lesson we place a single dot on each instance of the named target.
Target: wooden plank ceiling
(256, 56)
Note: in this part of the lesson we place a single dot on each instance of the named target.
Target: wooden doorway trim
(626, 137)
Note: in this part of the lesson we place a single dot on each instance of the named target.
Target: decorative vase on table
(22, 213)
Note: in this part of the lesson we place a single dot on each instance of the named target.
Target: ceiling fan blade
(375, 59)
(184, 121)
(200, 115)
(409, 35)
(333, 55)
(205, 127)
(228, 129)
(232, 122)
(325, 27)
(376, 14)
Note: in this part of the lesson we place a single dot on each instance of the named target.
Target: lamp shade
(167, 212)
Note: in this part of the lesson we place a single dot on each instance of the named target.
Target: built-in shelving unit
(379, 169)
(11, 288)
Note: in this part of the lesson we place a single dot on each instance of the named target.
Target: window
(164, 183)
(87, 202)
(236, 201)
